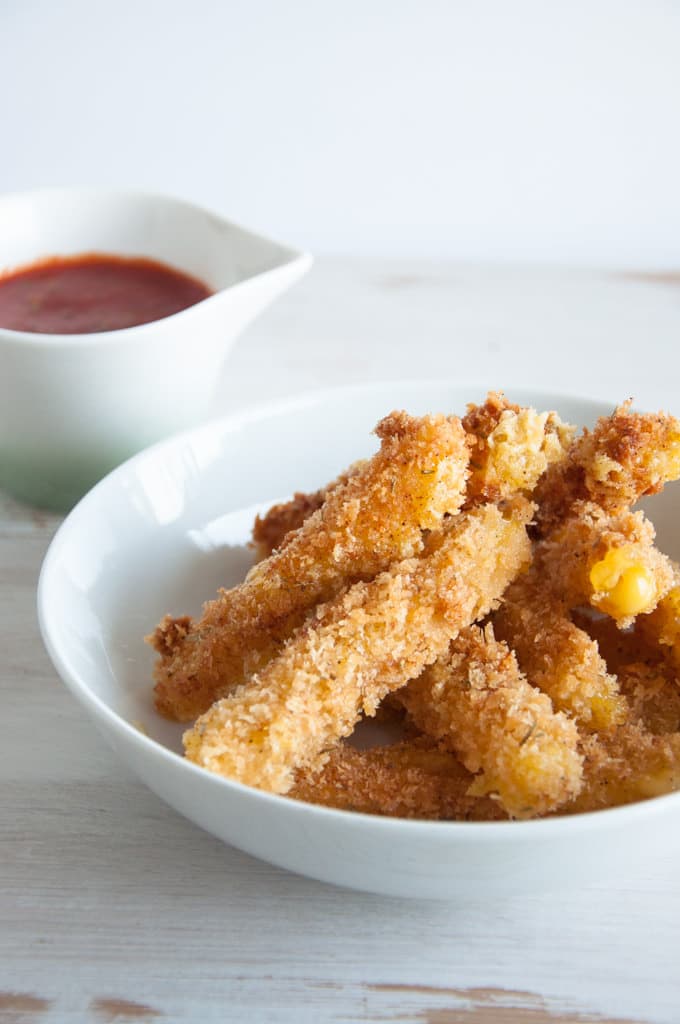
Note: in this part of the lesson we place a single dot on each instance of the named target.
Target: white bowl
(74, 406)
(163, 531)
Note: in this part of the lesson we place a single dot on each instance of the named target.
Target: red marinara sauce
(93, 292)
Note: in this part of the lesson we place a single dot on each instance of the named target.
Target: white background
(482, 131)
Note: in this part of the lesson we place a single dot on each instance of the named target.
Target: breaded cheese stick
(618, 647)
(409, 779)
(626, 456)
(653, 696)
(662, 626)
(356, 649)
(278, 522)
(476, 702)
(511, 447)
(607, 561)
(271, 530)
(377, 516)
(625, 765)
(557, 656)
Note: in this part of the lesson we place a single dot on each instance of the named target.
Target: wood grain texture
(112, 908)
(496, 1006)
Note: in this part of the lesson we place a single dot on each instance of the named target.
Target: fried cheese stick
(608, 561)
(557, 656)
(415, 779)
(662, 626)
(271, 530)
(618, 647)
(409, 779)
(477, 703)
(647, 678)
(375, 517)
(653, 696)
(625, 765)
(353, 651)
(626, 456)
(510, 446)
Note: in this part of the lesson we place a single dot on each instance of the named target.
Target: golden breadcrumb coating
(511, 447)
(557, 656)
(618, 647)
(366, 643)
(375, 517)
(662, 626)
(626, 456)
(409, 779)
(476, 702)
(653, 696)
(607, 561)
(271, 530)
(627, 764)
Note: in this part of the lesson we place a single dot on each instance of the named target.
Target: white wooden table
(112, 908)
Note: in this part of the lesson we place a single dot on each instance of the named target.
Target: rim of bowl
(515, 830)
(40, 338)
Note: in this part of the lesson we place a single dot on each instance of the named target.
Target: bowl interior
(164, 531)
(71, 221)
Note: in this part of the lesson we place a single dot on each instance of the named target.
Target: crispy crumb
(564, 698)
(377, 516)
(355, 650)
(410, 779)
(476, 701)
(625, 457)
